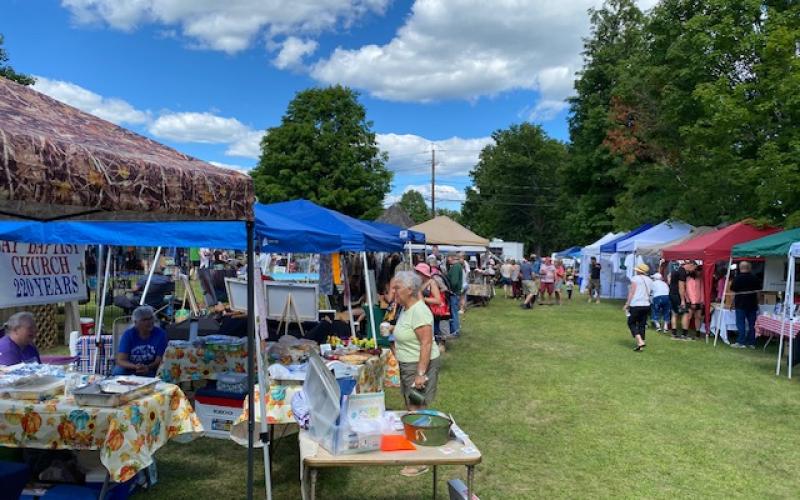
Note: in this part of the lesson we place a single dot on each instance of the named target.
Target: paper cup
(386, 329)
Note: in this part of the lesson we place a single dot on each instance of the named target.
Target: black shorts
(675, 305)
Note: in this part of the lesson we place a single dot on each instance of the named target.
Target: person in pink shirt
(695, 297)
(548, 279)
(559, 284)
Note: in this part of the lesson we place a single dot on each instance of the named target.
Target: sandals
(639, 348)
(411, 471)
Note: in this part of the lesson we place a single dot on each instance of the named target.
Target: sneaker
(686, 337)
(413, 471)
(751, 347)
(736, 345)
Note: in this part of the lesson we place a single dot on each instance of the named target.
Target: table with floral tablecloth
(127, 436)
(185, 364)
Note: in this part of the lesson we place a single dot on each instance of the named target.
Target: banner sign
(34, 274)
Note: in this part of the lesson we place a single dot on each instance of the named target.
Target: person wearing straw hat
(638, 304)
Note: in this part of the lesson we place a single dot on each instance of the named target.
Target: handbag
(441, 311)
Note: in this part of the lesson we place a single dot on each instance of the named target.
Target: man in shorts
(547, 272)
(594, 280)
(528, 283)
(678, 300)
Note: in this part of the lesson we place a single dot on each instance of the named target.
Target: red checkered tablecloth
(767, 326)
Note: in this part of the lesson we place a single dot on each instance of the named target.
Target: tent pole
(251, 349)
(789, 283)
(719, 321)
(150, 276)
(99, 275)
(348, 298)
(263, 334)
(369, 298)
(98, 333)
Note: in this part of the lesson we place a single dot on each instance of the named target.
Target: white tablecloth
(728, 321)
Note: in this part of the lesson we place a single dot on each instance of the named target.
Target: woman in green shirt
(417, 353)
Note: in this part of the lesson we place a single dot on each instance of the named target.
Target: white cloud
(239, 168)
(247, 146)
(465, 49)
(197, 127)
(292, 52)
(111, 109)
(186, 127)
(443, 192)
(410, 154)
(230, 25)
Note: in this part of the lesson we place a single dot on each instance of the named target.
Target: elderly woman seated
(17, 344)
(142, 346)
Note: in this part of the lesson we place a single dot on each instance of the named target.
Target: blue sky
(208, 77)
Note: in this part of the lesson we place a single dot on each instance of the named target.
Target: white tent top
(794, 250)
(666, 231)
(594, 248)
(443, 230)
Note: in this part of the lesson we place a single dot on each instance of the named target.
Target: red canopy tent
(712, 247)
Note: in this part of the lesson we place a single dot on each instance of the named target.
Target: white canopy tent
(668, 230)
(590, 251)
(789, 314)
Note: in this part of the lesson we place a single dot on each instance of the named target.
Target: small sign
(33, 274)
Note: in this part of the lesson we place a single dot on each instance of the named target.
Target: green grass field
(561, 407)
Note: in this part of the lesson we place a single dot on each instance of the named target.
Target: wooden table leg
(313, 495)
(435, 477)
(470, 478)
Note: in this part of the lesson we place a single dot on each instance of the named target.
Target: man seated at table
(161, 285)
(142, 346)
(17, 344)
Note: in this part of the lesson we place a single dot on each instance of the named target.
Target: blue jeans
(746, 318)
(455, 303)
(660, 310)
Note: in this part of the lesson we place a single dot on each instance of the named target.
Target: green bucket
(426, 429)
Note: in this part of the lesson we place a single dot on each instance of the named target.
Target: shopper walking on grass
(638, 304)
(594, 280)
(455, 275)
(547, 273)
(528, 283)
(679, 300)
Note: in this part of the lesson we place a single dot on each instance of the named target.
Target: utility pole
(433, 180)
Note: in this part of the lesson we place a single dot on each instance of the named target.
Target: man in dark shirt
(456, 277)
(745, 286)
(594, 280)
(677, 298)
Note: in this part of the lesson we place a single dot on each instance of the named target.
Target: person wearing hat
(638, 304)
(660, 309)
(430, 292)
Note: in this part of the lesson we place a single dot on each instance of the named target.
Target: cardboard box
(217, 414)
(768, 298)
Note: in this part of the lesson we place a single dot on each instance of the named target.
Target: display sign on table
(33, 274)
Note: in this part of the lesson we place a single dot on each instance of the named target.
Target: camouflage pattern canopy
(58, 162)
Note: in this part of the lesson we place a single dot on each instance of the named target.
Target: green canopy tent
(773, 245)
(776, 245)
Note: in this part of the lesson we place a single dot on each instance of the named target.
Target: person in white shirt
(660, 309)
(205, 258)
(638, 304)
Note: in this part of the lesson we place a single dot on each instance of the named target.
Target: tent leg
(262, 386)
(369, 298)
(722, 305)
(251, 349)
(98, 334)
(348, 298)
(780, 352)
(150, 275)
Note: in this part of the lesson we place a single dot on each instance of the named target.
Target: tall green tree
(6, 71)
(414, 204)
(324, 150)
(589, 184)
(515, 188)
(684, 122)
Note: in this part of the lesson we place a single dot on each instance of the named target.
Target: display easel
(289, 307)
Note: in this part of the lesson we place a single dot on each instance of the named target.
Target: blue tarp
(571, 253)
(403, 234)
(222, 234)
(356, 235)
(611, 246)
(278, 233)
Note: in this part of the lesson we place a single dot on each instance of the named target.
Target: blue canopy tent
(278, 233)
(356, 235)
(569, 253)
(613, 279)
(404, 234)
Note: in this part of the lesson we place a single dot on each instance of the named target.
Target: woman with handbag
(433, 295)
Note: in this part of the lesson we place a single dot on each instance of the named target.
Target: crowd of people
(546, 281)
(676, 306)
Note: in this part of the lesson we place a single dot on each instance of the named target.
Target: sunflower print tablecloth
(185, 364)
(127, 436)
